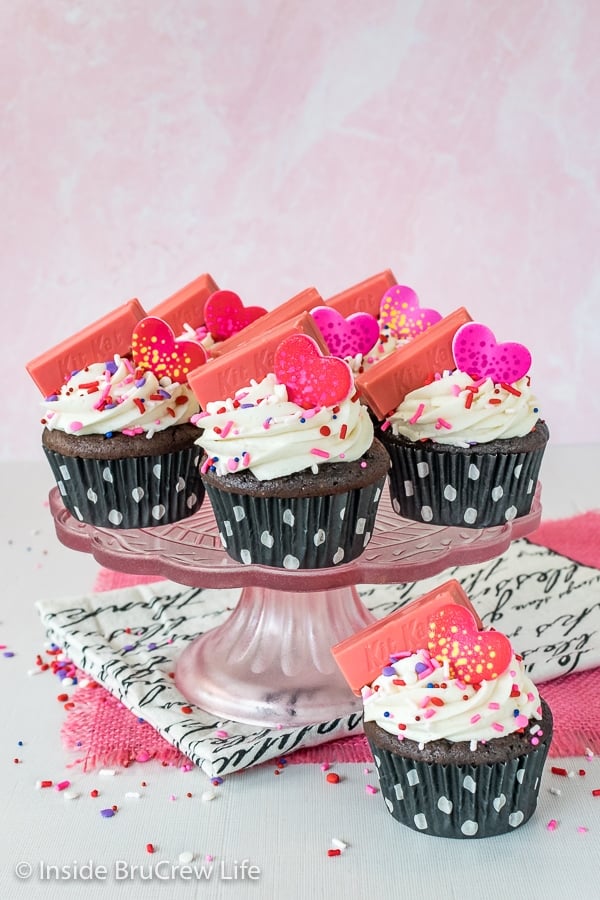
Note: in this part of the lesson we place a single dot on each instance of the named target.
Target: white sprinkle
(133, 794)
(207, 796)
(70, 795)
(555, 791)
(338, 845)
(35, 671)
(107, 772)
(186, 857)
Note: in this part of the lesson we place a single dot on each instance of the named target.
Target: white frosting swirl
(261, 430)
(114, 397)
(456, 712)
(459, 411)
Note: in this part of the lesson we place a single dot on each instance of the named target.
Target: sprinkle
(62, 785)
(510, 389)
(216, 781)
(133, 795)
(582, 829)
(343, 431)
(442, 423)
(186, 857)
(551, 826)
(75, 426)
(332, 777)
(370, 789)
(107, 813)
(94, 793)
(186, 710)
(474, 718)
(220, 733)
(43, 784)
(334, 852)
(339, 845)
(207, 796)
(596, 792)
(70, 795)
(226, 428)
(415, 418)
(469, 400)
(316, 451)
(384, 425)
(149, 848)
(556, 791)
(558, 770)
(497, 726)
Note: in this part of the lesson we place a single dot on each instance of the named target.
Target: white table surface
(281, 825)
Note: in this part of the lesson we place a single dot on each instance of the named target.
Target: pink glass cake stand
(270, 663)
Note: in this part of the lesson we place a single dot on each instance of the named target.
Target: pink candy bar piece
(220, 378)
(363, 297)
(362, 656)
(97, 342)
(384, 386)
(186, 306)
(291, 309)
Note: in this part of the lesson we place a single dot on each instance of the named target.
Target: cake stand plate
(270, 663)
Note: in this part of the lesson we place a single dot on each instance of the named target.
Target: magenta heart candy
(346, 336)
(400, 312)
(476, 352)
(153, 346)
(311, 379)
(474, 656)
(225, 314)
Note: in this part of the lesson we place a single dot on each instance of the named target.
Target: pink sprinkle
(582, 829)
(474, 718)
(429, 712)
(530, 697)
(245, 458)
(424, 701)
(226, 428)
(442, 423)
(267, 423)
(324, 767)
(232, 464)
(417, 414)
(205, 465)
(370, 789)
(220, 733)
(316, 451)
(128, 364)
(456, 390)
(521, 721)
(497, 726)
(385, 425)
(551, 826)
(76, 426)
(493, 705)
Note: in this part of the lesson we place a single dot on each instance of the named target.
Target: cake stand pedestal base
(270, 663)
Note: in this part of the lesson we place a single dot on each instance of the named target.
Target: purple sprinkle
(246, 405)
(165, 394)
(129, 647)
(8, 653)
(111, 366)
(107, 813)
(151, 646)
(421, 667)
(51, 398)
(388, 670)
(141, 382)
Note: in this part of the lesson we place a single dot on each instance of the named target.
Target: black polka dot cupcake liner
(461, 801)
(296, 532)
(468, 489)
(136, 492)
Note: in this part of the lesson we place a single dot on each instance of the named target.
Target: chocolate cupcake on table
(118, 435)
(291, 468)
(457, 729)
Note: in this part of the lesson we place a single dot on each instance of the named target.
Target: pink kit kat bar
(363, 297)
(186, 306)
(362, 656)
(385, 385)
(96, 343)
(220, 378)
(295, 306)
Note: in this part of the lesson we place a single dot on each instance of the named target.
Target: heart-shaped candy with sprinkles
(225, 314)
(349, 336)
(473, 655)
(154, 347)
(311, 379)
(476, 352)
(400, 311)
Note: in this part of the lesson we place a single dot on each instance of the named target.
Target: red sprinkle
(149, 848)
(139, 405)
(558, 770)
(332, 777)
(343, 431)
(325, 430)
(94, 793)
(582, 772)
(186, 710)
(334, 852)
(596, 792)
(62, 698)
(510, 389)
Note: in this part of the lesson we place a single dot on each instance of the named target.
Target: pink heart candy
(225, 314)
(476, 352)
(153, 346)
(474, 656)
(346, 336)
(400, 312)
(311, 379)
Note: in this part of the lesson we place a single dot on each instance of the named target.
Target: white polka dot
(520, 775)
(228, 528)
(115, 517)
(470, 515)
(107, 475)
(338, 555)
(62, 488)
(445, 805)
(158, 511)
(319, 538)
(473, 472)
(517, 470)
(469, 827)
(422, 469)
(515, 818)
(469, 784)
(65, 473)
(377, 760)
(156, 470)
(196, 460)
(191, 501)
(399, 792)
(412, 776)
(78, 513)
(450, 492)
(420, 821)
(288, 517)
(530, 486)
(223, 541)
(396, 506)
(497, 492)
(92, 496)
(377, 495)
(409, 488)
(366, 538)
(342, 513)
(361, 524)
(499, 802)
(291, 562)
(426, 513)
(267, 539)
(238, 513)
(510, 513)
(179, 484)
(137, 494)
(389, 804)
(246, 557)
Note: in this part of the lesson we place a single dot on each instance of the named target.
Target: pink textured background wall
(280, 144)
